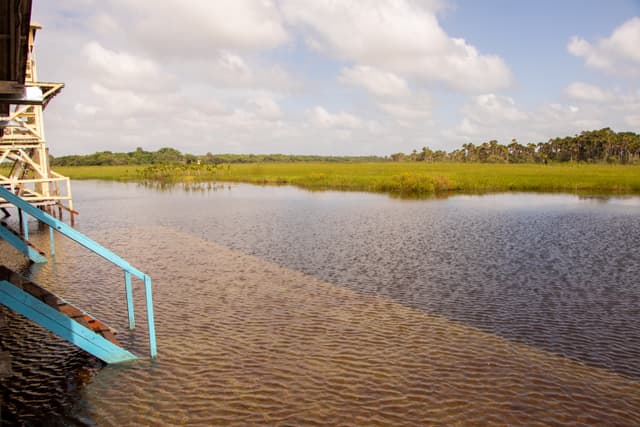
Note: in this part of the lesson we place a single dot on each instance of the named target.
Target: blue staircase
(51, 311)
(68, 322)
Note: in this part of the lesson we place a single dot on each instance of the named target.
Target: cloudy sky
(346, 77)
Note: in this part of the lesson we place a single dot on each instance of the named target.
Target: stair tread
(28, 243)
(59, 304)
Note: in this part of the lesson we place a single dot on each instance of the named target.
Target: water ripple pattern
(355, 309)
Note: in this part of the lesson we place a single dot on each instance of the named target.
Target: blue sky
(334, 77)
(533, 37)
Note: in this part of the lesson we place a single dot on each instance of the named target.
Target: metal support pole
(25, 227)
(127, 285)
(152, 328)
(52, 242)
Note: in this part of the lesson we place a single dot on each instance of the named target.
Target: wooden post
(20, 221)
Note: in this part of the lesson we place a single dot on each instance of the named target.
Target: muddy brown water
(277, 306)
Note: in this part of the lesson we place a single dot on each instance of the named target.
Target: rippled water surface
(277, 306)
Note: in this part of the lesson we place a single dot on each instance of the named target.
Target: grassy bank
(407, 178)
(110, 173)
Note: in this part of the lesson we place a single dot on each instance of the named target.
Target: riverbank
(403, 178)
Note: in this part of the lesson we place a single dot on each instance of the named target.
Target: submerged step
(27, 248)
(60, 317)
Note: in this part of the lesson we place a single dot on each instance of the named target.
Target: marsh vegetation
(404, 178)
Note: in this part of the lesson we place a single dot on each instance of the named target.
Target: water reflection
(619, 200)
(183, 186)
(334, 308)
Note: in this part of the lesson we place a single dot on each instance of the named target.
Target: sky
(334, 77)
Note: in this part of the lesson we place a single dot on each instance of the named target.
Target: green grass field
(407, 179)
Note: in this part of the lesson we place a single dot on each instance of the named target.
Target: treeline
(285, 158)
(173, 156)
(597, 146)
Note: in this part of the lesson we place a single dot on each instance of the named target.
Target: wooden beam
(10, 86)
(14, 35)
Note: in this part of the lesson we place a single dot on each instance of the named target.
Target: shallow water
(279, 306)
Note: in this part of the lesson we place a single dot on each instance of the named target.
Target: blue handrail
(95, 247)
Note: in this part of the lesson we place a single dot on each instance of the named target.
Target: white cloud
(87, 110)
(467, 128)
(408, 111)
(216, 76)
(399, 36)
(178, 29)
(120, 103)
(587, 92)
(559, 119)
(490, 116)
(105, 24)
(392, 94)
(324, 119)
(610, 104)
(633, 120)
(377, 82)
(266, 108)
(618, 54)
(233, 64)
(230, 70)
(123, 70)
(492, 108)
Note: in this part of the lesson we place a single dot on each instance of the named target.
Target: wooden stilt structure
(23, 148)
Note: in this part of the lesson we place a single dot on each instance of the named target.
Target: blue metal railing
(47, 316)
(95, 247)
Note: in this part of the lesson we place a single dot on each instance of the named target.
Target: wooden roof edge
(23, 52)
(17, 52)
